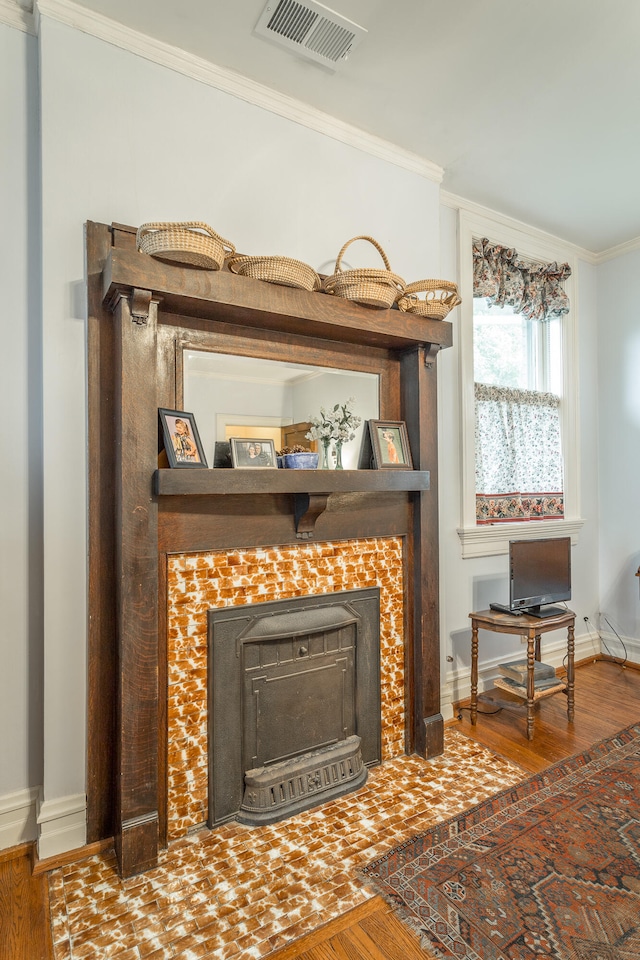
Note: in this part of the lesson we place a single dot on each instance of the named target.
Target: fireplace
(166, 546)
(294, 703)
(201, 585)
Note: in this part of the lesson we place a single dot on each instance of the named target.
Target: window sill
(492, 540)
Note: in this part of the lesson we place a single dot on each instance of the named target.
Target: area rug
(549, 868)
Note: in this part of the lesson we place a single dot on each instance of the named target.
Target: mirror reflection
(234, 396)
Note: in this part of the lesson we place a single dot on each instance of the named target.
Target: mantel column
(136, 820)
(419, 409)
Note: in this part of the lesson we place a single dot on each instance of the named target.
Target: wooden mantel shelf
(185, 482)
(311, 489)
(224, 296)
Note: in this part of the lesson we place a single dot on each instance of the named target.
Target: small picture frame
(222, 454)
(247, 453)
(181, 439)
(390, 445)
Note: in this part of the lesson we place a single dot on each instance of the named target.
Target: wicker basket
(441, 296)
(367, 286)
(283, 270)
(191, 244)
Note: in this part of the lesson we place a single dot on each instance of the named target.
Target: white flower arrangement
(338, 424)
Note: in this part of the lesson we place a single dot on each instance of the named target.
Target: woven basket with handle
(283, 270)
(441, 296)
(192, 244)
(368, 286)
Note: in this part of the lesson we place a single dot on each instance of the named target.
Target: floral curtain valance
(534, 290)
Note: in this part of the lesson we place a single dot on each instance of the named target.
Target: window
(518, 444)
(525, 365)
(509, 350)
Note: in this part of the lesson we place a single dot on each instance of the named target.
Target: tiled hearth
(245, 891)
(198, 582)
(241, 891)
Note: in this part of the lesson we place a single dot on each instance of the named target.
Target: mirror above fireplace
(230, 395)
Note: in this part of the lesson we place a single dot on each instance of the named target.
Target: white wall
(619, 410)
(20, 441)
(130, 141)
(584, 572)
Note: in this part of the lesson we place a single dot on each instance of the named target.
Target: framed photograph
(222, 454)
(247, 453)
(181, 439)
(390, 445)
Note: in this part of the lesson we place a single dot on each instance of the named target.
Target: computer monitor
(539, 574)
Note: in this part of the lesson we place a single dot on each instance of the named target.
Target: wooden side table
(532, 628)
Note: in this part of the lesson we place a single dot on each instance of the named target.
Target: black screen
(539, 572)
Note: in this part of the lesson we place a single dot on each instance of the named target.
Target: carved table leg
(530, 684)
(538, 651)
(570, 672)
(474, 672)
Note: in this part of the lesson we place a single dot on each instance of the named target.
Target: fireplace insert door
(286, 679)
(299, 691)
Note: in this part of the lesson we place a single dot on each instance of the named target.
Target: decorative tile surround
(198, 582)
(241, 892)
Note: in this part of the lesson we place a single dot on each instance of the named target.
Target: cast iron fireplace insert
(294, 703)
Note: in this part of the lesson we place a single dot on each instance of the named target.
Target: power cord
(626, 657)
(618, 660)
(482, 704)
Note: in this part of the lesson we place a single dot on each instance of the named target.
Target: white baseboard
(457, 684)
(620, 647)
(62, 825)
(18, 817)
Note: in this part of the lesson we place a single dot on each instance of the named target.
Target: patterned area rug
(549, 868)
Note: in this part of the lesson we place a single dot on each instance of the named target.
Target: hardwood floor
(607, 699)
(370, 932)
(24, 907)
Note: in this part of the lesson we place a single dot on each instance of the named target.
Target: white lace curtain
(518, 455)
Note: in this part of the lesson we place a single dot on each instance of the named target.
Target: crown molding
(14, 14)
(618, 251)
(460, 203)
(228, 81)
(542, 236)
(96, 25)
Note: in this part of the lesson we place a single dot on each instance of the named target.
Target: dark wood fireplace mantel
(223, 482)
(311, 489)
(142, 315)
(227, 297)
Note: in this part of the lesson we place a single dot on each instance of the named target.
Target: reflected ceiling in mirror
(250, 397)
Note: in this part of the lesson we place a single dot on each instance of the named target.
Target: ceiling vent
(310, 30)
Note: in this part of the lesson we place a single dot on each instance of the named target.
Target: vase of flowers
(337, 426)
